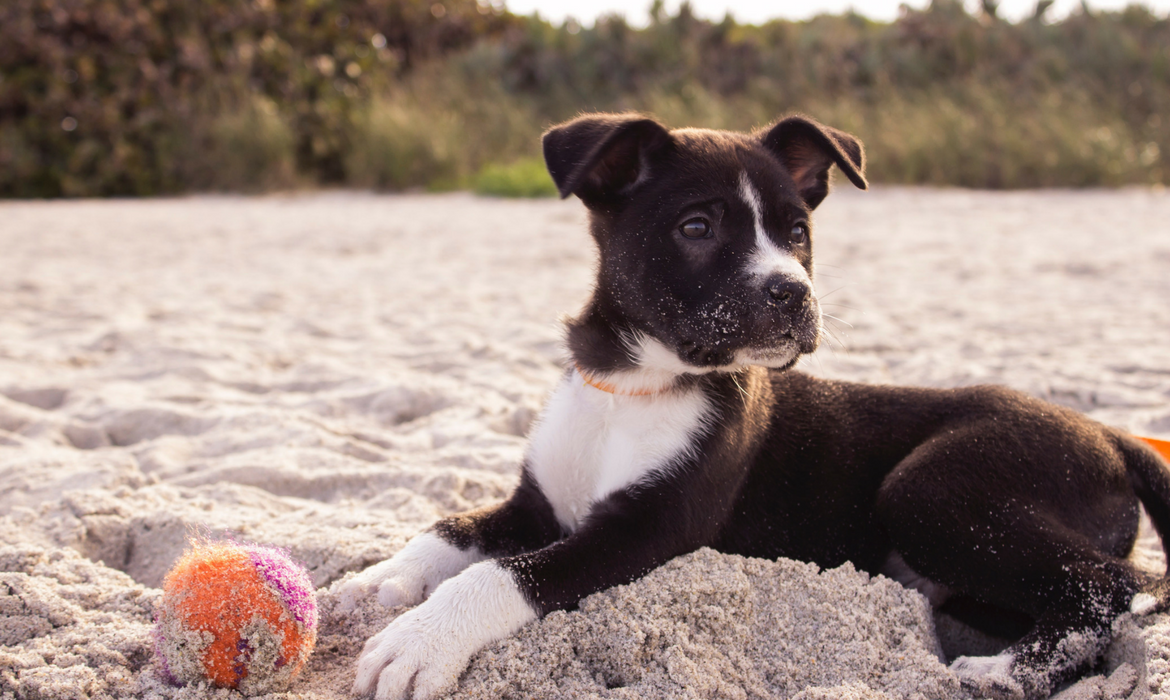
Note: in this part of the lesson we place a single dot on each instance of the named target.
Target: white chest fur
(590, 443)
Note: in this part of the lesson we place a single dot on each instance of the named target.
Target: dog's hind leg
(1021, 553)
(1069, 635)
(1073, 593)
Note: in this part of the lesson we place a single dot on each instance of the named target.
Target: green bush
(251, 149)
(970, 136)
(140, 97)
(523, 178)
(397, 145)
(112, 97)
(437, 128)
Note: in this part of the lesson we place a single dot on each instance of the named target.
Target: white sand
(331, 373)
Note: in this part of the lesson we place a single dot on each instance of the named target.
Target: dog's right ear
(600, 157)
(809, 149)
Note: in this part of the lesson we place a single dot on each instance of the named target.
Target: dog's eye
(799, 234)
(695, 228)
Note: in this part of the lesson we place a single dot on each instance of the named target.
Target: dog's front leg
(421, 653)
(522, 523)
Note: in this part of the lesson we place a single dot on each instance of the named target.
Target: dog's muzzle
(793, 314)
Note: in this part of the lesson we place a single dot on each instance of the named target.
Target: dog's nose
(787, 294)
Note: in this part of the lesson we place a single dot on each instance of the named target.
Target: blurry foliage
(108, 97)
(940, 96)
(526, 177)
(437, 128)
(105, 97)
(396, 145)
(250, 148)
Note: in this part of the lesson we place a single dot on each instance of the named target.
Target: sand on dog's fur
(331, 373)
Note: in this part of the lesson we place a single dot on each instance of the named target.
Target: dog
(680, 423)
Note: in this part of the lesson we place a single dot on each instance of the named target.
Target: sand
(332, 372)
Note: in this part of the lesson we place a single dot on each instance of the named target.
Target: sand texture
(330, 373)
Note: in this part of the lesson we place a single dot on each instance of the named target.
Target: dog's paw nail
(394, 593)
(988, 676)
(347, 599)
(363, 684)
(431, 682)
(1142, 603)
(396, 682)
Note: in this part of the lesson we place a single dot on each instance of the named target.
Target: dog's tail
(1149, 474)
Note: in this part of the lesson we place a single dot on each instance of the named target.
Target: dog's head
(705, 239)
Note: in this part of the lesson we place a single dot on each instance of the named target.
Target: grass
(523, 178)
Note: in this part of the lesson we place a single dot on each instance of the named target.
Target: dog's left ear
(808, 149)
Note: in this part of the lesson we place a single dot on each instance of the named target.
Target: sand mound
(710, 625)
(331, 373)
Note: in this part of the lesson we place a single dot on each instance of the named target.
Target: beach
(332, 372)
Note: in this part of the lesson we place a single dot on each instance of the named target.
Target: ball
(237, 616)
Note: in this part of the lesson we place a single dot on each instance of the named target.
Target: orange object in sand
(1162, 446)
(239, 616)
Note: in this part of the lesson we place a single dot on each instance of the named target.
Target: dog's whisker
(827, 329)
(834, 291)
(846, 306)
(833, 348)
(838, 320)
(820, 365)
(742, 392)
(833, 336)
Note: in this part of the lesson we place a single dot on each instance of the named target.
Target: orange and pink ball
(236, 616)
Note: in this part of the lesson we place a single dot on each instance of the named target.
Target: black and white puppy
(680, 425)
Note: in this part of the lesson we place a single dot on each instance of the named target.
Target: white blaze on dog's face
(768, 258)
(704, 237)
(769, 263)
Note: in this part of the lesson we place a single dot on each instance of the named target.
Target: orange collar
(610, 388)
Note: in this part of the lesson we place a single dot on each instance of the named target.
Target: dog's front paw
(421, 653)
(988, 677)
(409, 576)
(406, 660)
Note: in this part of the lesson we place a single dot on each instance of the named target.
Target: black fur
(808, 149)
(1009, 502)
(522, 523)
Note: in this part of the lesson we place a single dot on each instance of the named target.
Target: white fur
(658, 365)
(429, 646)
(408, 576)
(983, 666)
(895, 567)
(768, 259)
(780, 356)
(590, 443)
(656, 362)
(986, 675)
(652, 356)
(1142, 604)
(657, 368)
